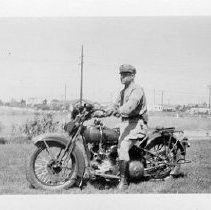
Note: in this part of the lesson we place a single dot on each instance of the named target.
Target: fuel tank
(92, 134)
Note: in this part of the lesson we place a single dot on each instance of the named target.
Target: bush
(42, 123)
(3, 140)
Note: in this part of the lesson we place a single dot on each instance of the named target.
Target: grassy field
(196, 177)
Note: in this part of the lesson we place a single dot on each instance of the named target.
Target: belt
(133, 118)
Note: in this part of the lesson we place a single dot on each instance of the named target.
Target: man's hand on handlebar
(99, 114)
(109, 112)
(114, 112)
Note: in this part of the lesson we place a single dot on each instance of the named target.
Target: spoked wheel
(51, 169)
(162, 159)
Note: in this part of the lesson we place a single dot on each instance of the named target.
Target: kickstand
(81, 183)
(83, 179)
(86, 176)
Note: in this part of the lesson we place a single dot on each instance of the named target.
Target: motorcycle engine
(105, 162)
(136, 169)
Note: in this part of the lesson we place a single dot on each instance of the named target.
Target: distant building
(169, 108)
(155, 108)
(85, 101)
(33, 101)
(1, 103)
(162, 108)
(15, 103)
(56, 104)
(199, 110)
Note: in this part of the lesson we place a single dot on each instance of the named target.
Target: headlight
(68, 127)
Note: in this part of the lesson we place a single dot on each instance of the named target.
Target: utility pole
(162, 92)
(154, 95)
(65, 92)
(81, 89)
(209, 86)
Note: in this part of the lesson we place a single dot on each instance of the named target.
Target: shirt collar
(131, 86)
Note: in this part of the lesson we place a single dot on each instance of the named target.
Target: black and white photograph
(106, 102)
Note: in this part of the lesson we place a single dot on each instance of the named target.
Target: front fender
(63, 139)
(55, 137)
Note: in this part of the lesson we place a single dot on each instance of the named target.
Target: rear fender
(63, 139)
(158, 136)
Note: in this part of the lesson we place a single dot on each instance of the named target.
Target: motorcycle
(89, 152)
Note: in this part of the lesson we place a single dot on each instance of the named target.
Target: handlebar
(89, 109)
(100, 113)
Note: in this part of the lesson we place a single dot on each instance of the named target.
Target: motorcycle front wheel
(46, 171)
(166, 158)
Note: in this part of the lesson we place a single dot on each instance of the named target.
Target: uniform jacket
(131, 102)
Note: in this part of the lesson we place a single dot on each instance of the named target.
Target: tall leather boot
(123, 167)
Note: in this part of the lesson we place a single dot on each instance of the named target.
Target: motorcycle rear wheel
(45, 173)
(168, 151)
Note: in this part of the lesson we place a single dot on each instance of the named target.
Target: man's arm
(132, 103)
(116, 103)
(114, 107)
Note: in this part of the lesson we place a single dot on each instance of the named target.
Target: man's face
(126, 78)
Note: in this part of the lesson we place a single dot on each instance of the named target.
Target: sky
(40, 54)
(66, 8)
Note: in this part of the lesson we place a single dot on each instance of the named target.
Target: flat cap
(127, 68)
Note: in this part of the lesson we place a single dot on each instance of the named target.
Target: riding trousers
(131, 132)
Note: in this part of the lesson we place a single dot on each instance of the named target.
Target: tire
(39, 181)
(170, 152)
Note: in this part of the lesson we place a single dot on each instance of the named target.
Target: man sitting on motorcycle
(131, 106)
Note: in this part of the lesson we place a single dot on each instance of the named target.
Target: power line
(65, 92)
(209, 86)
(162, 92)
(81, 89)
(154, 95)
